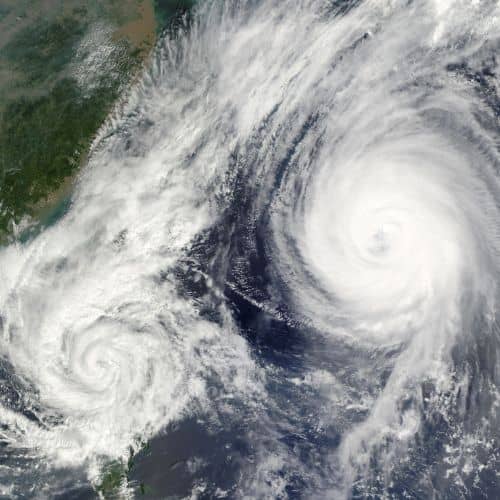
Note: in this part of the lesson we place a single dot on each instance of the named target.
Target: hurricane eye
(381, 240)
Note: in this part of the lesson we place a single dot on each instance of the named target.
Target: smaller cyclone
(104, 381)
(107, 365)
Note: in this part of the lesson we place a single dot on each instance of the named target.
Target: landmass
(63, 65)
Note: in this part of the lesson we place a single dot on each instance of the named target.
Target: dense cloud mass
(288, 232)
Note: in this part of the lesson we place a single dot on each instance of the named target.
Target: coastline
(143, 34)
(49, 121)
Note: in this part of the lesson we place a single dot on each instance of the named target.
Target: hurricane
(286, 240)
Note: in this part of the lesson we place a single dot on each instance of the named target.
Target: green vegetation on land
(115, 477)
(63, 64)
(40, 52)
(42, 141)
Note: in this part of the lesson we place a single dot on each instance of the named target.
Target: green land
(63, 65)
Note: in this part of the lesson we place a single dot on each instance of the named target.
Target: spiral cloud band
(289, 229)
